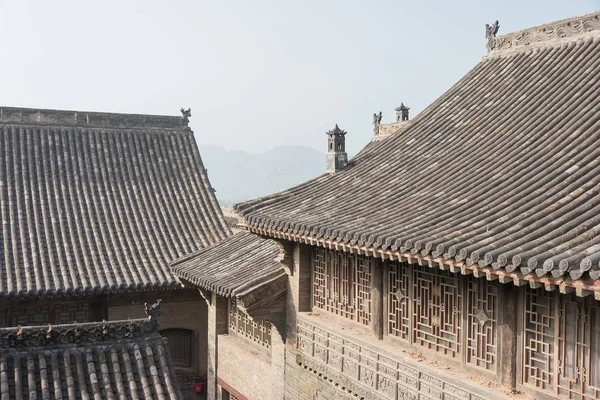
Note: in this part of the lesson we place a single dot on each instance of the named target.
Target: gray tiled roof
(96, 202)
(236, 265)
(113, 360)
(501, 171)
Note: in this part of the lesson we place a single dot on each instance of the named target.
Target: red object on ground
(198, 387)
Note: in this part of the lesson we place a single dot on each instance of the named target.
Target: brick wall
(313, 387)
(42, 312)
(248, 369)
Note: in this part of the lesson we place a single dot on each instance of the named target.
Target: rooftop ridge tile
(564, 30)
(34, 116)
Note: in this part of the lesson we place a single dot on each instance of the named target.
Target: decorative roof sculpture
(567, 30)
(490, 33)
(186, 114)
(337, 131)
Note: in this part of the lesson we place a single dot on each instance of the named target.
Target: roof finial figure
(490, 33)
(377, 121)
(186, 114)
(153, 312)
(377, 118)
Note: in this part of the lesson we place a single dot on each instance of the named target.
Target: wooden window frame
(188, 365)
(243, 325)
(342, 284)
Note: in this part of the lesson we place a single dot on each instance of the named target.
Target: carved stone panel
(366, 373)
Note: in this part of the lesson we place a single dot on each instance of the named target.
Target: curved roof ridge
(549, 34)
(89, 119)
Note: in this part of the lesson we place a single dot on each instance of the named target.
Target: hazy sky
(257, 74)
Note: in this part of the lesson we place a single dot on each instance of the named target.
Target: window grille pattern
(561, 349)
(241, 323)
(425, 307)
(364, 273)
(58, 313)
(180, 346)
(482, 323)
(437, 310)
(342, 284)
(540, 310)
(398, 300)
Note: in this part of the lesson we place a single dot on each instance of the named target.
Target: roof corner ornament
(490, 34)
(402, 112)
(377, 121)
(153, 312)
(186, 114)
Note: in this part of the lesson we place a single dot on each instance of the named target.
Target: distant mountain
(238, 176)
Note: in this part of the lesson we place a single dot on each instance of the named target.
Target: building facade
(455, 257)
(95, 206)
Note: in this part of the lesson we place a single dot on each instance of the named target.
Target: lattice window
(437, 310)
(241, 323)
(398, 300)
(561, 349)
(342, 284)
(540, 310)
(482, 323)
(364, 273)
(319, 277)
(180, 346)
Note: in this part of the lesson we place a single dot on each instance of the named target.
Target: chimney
(336, 158)
(402, 113)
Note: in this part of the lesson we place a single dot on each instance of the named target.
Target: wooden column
(507, 340)
(298, 299)
(217, 324)
(377, 298)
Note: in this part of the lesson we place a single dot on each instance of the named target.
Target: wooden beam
(377, 298)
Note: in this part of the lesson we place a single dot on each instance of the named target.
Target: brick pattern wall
(33, 314)
(246, 368)
(68, 313)
(42, 312)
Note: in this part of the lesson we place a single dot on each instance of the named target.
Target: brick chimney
(336, 158)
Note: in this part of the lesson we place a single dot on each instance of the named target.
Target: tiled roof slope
(502, 171)
(235, 266)
(96, 202)
(113, 360)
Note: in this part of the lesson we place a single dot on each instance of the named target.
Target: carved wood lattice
(425, 307)
(482, 323)
(241, 323)
(562, 345)
(398, 298)
(437, 311)
(342, 284)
